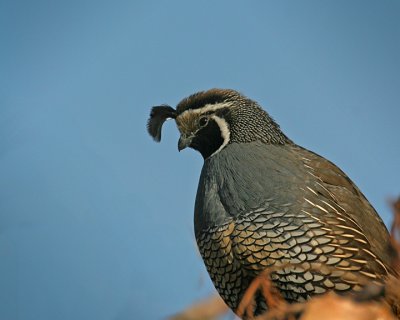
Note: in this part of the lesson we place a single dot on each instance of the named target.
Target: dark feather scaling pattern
(264, 201)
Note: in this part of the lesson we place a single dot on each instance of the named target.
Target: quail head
(265, 202)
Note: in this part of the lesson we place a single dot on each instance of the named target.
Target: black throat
(208, 139)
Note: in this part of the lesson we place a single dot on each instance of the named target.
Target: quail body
(265, 202)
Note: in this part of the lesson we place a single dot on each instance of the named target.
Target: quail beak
(184, 142)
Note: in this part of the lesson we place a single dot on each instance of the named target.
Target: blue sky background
(95, 218)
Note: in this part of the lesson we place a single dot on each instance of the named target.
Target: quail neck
(209, 121)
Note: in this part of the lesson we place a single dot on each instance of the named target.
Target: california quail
(264, 201)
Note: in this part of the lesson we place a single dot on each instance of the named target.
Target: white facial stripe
(222, 124)
(225, 133)
(208, 108)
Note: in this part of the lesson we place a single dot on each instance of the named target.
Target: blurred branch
(395, 235)
(208, 309)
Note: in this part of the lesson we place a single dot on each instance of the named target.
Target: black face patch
(208, 139)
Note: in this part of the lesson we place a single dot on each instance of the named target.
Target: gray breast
(244, 177)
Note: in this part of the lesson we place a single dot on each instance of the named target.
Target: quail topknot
(263, 202)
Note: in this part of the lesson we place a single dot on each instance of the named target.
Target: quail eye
(203, 121)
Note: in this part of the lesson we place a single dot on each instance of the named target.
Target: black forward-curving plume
(263, 202)
(158, 115)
